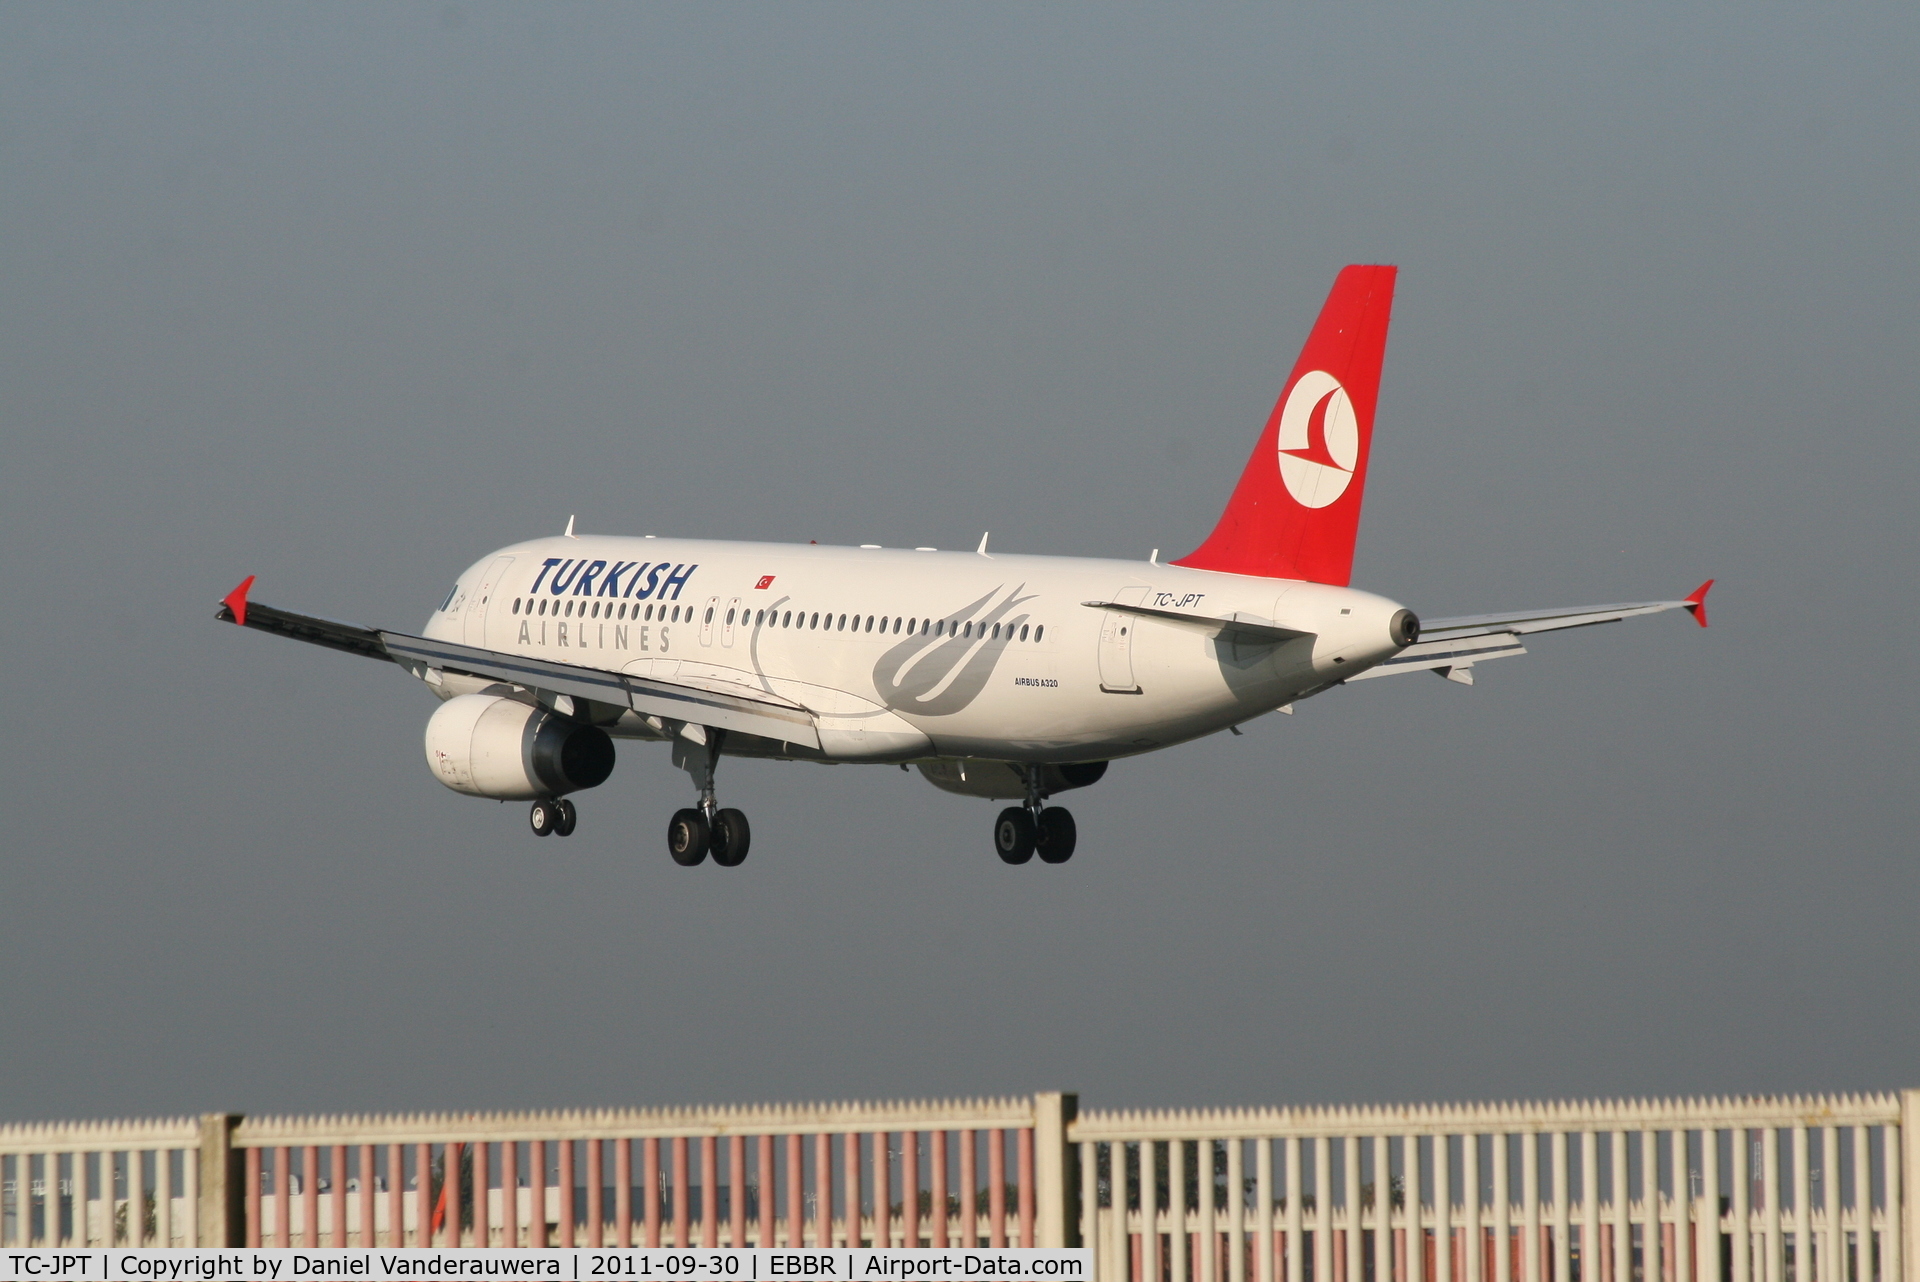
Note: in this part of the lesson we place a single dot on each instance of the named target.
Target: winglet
(234, 603)
(1697, 603)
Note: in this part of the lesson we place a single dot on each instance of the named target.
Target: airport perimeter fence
(1797, 1189)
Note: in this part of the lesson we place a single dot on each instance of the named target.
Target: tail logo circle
(1319, 440)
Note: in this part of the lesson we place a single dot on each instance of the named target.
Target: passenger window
(896, 627)
(543, 607)
(709, 618)
(869, 623)
(1039, 632)
(729, 616)
(967, 630)
(759, 618)
(516, 605)
(996, 632)
(789, 620)
(843, 623)
(1023, 632)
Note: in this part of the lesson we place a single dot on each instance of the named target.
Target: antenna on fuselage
(570, 534)
(982, 549)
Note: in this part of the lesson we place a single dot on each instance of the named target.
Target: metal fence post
(1056, 1179)
(223, 1179)
(1907, 1235)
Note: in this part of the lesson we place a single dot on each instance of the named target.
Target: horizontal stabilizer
(1246, 629)
(1522, 622)
(1452, 646)
(1447, 656)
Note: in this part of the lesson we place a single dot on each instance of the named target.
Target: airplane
(1004, 677)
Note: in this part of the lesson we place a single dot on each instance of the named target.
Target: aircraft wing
(1452, 646)
(767, 716)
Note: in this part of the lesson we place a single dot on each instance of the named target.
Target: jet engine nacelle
(486, 746)
(1005, 780)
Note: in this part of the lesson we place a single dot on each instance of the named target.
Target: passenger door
(474, 621)
(1116, 644)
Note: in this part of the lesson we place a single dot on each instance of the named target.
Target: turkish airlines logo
(938, 676)
(1319, 440)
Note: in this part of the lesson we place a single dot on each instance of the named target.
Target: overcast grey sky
(347, 296)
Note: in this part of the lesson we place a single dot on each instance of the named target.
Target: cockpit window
(452, 592)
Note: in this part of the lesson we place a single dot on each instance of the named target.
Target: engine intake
(487, 746)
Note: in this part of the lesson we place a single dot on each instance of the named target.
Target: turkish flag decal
(766, 581)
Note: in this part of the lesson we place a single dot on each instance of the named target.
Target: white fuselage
(908, 655)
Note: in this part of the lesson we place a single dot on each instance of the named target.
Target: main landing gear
(694, 833)
(1021, 832)
(556, 817)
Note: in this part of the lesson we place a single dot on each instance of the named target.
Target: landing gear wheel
(731, 838)
(1013, 835)
(563, 825)
(687, 837)
(1056, 836)
(545, 816)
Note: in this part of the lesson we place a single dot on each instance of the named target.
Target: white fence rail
(1807, 1189)
(1802, 1189)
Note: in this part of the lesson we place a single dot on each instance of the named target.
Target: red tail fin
(1296, 510)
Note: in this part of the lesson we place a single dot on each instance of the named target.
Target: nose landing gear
(1035, 828)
